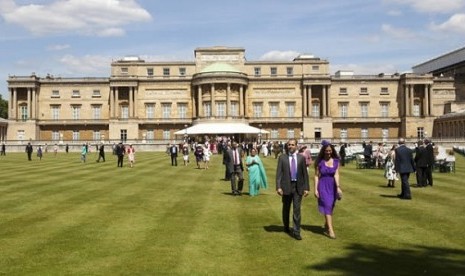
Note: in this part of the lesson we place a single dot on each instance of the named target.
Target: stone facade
(149, 101)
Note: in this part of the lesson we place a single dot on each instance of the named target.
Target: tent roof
(221, 128)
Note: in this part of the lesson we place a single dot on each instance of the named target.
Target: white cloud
(399, 33)
(456, 24)
(90, 17)
(443, 6)
(280, 55)
(58, 47)
(88, 64)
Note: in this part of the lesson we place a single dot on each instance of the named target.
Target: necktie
(235, 157)
(293, 169)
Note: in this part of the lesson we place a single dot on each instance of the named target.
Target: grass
(59, 216)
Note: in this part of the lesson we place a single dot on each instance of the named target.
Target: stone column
(228, 100)
(411, 99)
(199, 89)
(242, 102)
(426, 102)
(34, 104)
(310, 105)
(328, 101)
(430, 101)
(406, 112)
(212, 104)
(116, 102)
(112, 102)
(194, 104)
(29, 109)
(131, 103)
(304, 101)
(15, 103)
(323, 104)
(136, 96)
(10, 104)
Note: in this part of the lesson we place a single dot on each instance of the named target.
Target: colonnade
(31, 103)
(325, 101)
(409, 100)
(115, 101)
(198, 100)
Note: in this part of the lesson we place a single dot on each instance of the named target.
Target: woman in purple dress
(327, 189)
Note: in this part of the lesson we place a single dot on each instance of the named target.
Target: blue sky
(80, 38)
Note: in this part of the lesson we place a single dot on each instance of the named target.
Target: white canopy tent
(221, 128)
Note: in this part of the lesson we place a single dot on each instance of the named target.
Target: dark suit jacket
(429, 155)
(404, 160)
(228, 159)
(174, 151)
(421, 157)
(283, 175)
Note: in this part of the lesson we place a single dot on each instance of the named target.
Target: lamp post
(260, 134)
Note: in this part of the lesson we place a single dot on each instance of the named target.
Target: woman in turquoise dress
(257, 174)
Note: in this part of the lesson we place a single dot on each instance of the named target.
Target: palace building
(153, 100)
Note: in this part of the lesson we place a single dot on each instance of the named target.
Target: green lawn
(59, 216)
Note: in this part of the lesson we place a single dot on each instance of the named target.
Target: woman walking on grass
(327, 186)
(131, 156)
(257, 174)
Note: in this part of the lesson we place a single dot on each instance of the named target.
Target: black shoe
(287, 230)
(297, 236)
(406, 198)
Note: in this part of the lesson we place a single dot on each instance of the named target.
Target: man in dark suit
(232, 159)
(430, 162)
(29, 151)
(120, 150)
(368, 154)
(174, 155)
(404, 166)
(292, 183)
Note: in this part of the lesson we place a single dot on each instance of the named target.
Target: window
(363, 91)
(124, 135)
(221, 109)
(76, 94)
(385, 134)
(75, 135)
(364, 110)
(96, 135)
(290, 71)
(55, 112)
(182, 71)
(96, 112)
(150, 111)
(234, 109)
(76, 112)
(384, 90)
(182, 110)
(258, 71)
(55, 93)
(315, 109)
(384, 110)
(416, 109)
(420, 132)
(290, 109)
(166, 110)
(343, 134)
(166, 134)
(343, 110)
(150, 135)
(274, 109)
(150, 72)
(315, 67)
(273, 71)
(290, 133)
(55, 135)
(207, 110)
(124, 112)
(274, 133)
(96, 94)
(364, 133)
(257, 110)
(124, 70)
(343, 91)
(166, 72)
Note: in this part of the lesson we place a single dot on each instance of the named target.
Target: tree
(3, 108)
